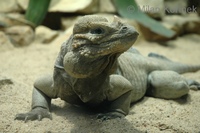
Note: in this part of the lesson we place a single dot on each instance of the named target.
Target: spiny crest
(84, 23)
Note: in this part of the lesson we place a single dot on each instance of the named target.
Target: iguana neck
(83, 67)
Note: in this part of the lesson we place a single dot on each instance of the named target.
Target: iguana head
(95, 45)
(95, 36)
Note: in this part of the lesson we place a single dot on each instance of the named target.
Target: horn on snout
(116, 19)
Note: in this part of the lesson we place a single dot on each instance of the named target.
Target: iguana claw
(37, 113)
(110, 115)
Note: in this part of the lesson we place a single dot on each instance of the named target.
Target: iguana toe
(35, 114)
(110, 115)
(194, 85)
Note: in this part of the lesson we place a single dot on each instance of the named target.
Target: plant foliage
(36, 11)
(129, 9)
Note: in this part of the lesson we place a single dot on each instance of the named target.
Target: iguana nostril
(124, 28)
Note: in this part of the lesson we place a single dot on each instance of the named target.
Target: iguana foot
(194, 85)
(37, 113)
(110, 115)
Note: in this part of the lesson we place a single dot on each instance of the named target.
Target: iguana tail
(166, 64)
(183, 68)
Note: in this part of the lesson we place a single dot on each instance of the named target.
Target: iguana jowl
(98, 65)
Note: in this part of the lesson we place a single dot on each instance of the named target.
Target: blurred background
(23, 22)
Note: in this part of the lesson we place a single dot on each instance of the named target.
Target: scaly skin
(98, 68)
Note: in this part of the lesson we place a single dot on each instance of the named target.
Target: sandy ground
(24, 65)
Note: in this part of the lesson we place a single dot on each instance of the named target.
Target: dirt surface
(152, 115)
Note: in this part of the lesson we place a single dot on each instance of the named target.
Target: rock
(44, 34)
(11, 19)
(154, 8)
(175, 22)
(184, 24)
(9, 6)
(180, 24)
(5, 81)
(23, 4)
(151, 36)
(175, 6)
(106, 6)
(68, 21)
(192, 26)
(5, 43)
(192, 37)
(68, 6)
(63, 37)
(81, 6)
(20, 35)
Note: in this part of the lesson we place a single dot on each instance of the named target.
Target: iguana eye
(97, 31)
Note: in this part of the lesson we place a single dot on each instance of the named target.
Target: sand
(151, 115)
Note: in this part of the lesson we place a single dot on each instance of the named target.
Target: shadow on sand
(84, 121)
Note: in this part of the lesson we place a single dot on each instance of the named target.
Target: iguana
(98, 67)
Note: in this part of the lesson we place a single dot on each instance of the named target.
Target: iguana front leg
(118, 92)
(41, 99)
(40, 107)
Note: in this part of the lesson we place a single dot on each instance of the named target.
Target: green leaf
(36, 11)
(129, 9)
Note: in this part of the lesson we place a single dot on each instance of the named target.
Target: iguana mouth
(127, 37)
(127, 41)
(107, 47)
(109, 43)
